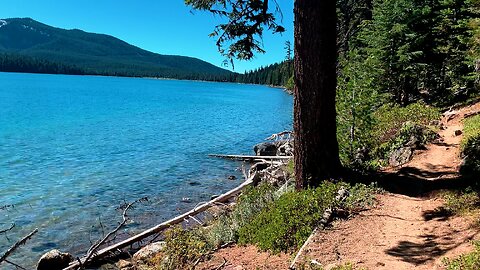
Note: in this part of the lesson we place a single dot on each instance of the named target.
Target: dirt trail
(401, 232)
(405, 232)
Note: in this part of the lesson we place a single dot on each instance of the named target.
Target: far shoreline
(151, 78)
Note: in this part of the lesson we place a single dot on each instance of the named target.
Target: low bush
(287, 222)
(459, 202)
(470, 261)
(470, 146)
(183, 248)
(273, 219)
(409, 135)
(396, 127)
(390, 119)
(347, 266)
(249, 204)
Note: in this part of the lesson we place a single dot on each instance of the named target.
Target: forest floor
(407, 229)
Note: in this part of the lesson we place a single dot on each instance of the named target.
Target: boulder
(266, 149)
(149, 251)
(124, 265)
(284, 148)
(54, 260)
(400, 156)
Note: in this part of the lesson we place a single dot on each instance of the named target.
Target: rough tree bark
(316, 146)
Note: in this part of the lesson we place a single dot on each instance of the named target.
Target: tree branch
(16, 245)
(94, 248)
(9, 229)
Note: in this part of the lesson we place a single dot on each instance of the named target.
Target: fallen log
(165, 225)
(241, 157)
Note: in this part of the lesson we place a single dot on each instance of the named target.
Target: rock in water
(149, 251)
(54, 260)
(400, 156)
(265, 149)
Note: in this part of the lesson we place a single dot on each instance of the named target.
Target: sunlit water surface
(74, 148)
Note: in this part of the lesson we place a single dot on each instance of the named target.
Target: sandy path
(405, 232)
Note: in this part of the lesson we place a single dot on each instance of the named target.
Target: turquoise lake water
(74, 148)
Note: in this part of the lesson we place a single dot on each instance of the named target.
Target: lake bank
(72, 149)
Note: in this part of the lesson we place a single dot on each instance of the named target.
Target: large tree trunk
(316, 146)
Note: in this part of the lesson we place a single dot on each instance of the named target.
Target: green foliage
(290, 167)
(249, 204)
(240, 36)
(470, 261)
(460, 202)
(357, 98)
(471, 146)
(78, 52)
(19, 63)
(278, 74)
(390, 119)
(471, 130)
(183, 248)
(290, 83)
(286, 223)
(423, 48)
(347, 266)
(411, 135)
(361, 196)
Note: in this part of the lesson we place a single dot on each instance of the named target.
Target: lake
(75, 148)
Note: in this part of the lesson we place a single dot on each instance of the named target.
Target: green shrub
(183, 248)
(470, 261)
(391, 118)
(459, 202)
(287, 222)
(249, 204)
(470, 146)
(410, 134)
(347, 266)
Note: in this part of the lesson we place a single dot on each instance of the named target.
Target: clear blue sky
(161, 26)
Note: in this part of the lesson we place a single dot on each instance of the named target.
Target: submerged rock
(53, 260)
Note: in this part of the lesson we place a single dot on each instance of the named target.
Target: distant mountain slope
(97, 53)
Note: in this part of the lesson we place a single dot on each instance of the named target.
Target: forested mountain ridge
(24, 39)
(278, 74)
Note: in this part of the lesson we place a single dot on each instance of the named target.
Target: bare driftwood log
(16, 245)
(327, 216)
(240, 157)
(280, 136)
(154, 230)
